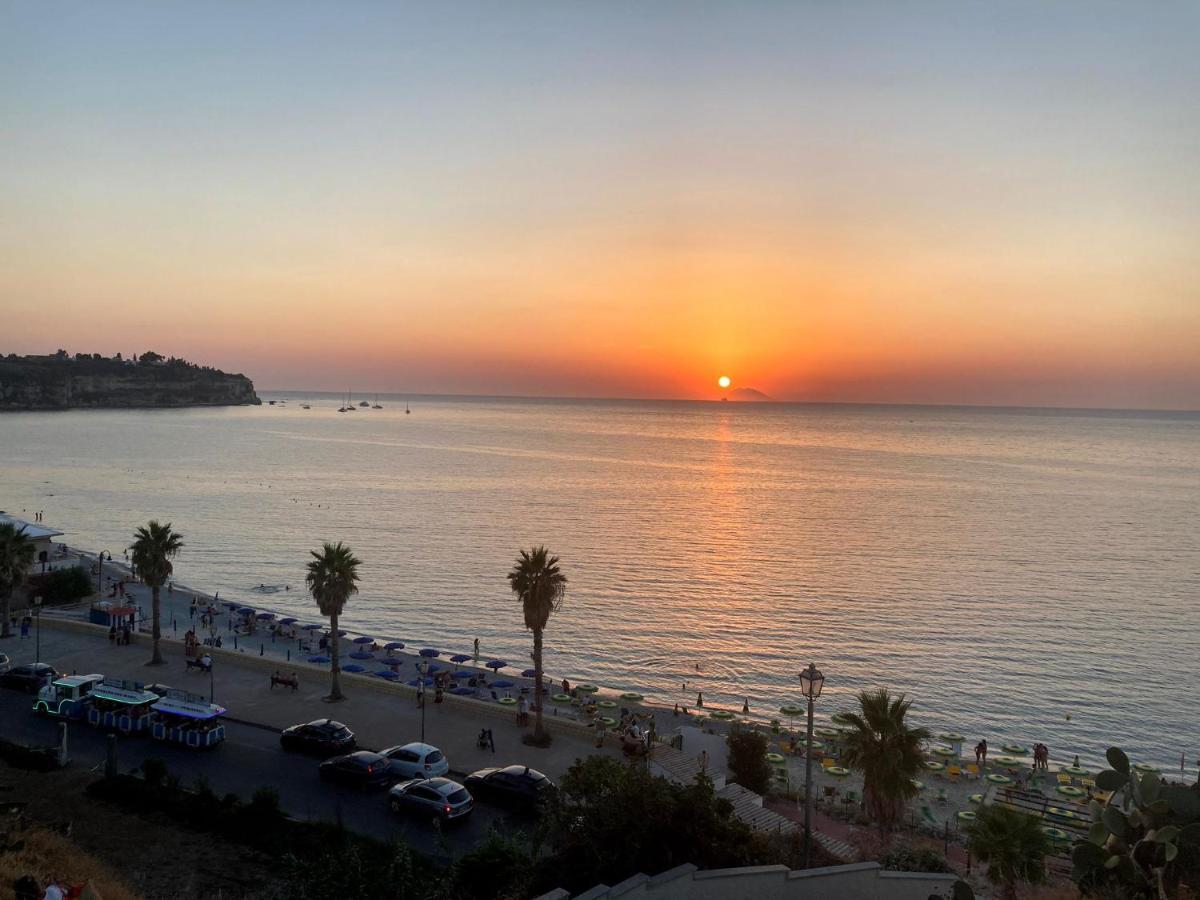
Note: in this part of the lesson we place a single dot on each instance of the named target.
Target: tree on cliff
(332, 578)
(153, 549)
(16, 559)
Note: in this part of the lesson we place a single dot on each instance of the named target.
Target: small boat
(305, 406)
(376, 406)
(406, 409)
(363, 403)
(349, 407)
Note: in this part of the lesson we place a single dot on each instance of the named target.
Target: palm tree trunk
(156, 624)
(538, 733)
(335, 669)
(5, 626)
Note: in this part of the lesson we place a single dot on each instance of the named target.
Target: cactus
(1134, 844)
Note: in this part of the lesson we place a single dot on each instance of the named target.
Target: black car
(28, 678)
(517, 787)
(359, 769)
(323, 737)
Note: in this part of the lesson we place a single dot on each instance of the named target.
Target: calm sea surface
(1024, 575)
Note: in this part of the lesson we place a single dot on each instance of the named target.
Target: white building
(43, 537)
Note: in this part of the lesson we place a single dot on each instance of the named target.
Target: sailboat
(406, 409)
(342, 408)
(376, 406)
(349, 402)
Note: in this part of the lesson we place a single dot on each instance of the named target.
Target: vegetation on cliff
(63, 381)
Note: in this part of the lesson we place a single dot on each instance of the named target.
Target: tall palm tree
(16, 561)
(1012, 844)
(886, 750)
(540, 586)
(154, 546)
(332, 578)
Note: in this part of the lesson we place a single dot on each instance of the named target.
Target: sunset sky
(904, 202)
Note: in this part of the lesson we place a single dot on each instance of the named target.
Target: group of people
(118, 636)
(1041, 757)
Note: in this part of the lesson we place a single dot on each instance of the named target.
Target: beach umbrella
(586, 688)
(966, 816)
(387, 673)
(721, 714)
(265, 616)
(363, 639)
(393, 662)
(318, 659)
(561, 698)
(529, 673)
(311, 627)
(418, 681)
(458, 657)
(433, 668)
(462, 691)
(246, 610)
(393, 645)
(288, 621)
(496, 664)
(353, 667)
(461, 673)
(632, 697)
(606, 704)
(502, 684)
(362, 654)
(429, 652)
(838, 771)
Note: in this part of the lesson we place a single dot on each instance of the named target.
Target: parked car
(5, 664)
(441, 797)
(323, 737)
(416, 760)
(28, 678)
(359, 769)
(517, 787)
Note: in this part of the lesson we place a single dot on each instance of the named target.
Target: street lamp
(811, 682)
(422, 671)
(37, 605)
(100, 568)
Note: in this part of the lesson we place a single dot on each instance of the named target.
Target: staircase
(677, 766)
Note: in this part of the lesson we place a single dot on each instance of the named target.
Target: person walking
(476, 648)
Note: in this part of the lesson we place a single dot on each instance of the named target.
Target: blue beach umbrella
(393, 645)
(417, 681)
(433, 668)
(496, 664)
(529, 673)
(318, 659)
(388, 674)
(461, 658)
(462, 691)
(288, 621)
(265, 616)
(311, 627)
(429, 652)
(462, 673)
(353, 667)
(393, 661)
(361, 654)
(502, 684)
(246, 610)
(363, 639)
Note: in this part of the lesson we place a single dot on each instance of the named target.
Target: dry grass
(47, 854)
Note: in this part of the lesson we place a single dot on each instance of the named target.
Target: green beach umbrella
(1069, 790)
(607, 721)
(966, 816)
(606, 704)
(792, 710)
(944, 752)
(586, 688)
(934, 766)
(838, 771)
(561, 698)
(1076, 771)
(919, 785)
(1145, 767)
(775, 759)
(722, 714)
(1015, 749)
(977, 799)
(952, 737)
(632, 697)
(1055, 834)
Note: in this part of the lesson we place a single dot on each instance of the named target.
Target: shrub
(154, 771)
(66, 585)
(499, 867)
(903, 858)
(748, 760)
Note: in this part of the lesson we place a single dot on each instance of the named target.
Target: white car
(416, 760)
(5, 664)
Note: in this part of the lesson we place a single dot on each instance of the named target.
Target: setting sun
(724, 381)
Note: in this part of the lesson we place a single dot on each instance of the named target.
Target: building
(44, 549)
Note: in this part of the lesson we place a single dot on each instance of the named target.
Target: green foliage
(1012, 844)
(154, 546)
(748, 760)
(1145, 841)
(16, 560)
(67, 585)
(499, 867)
(154, 771)
(539, 585)
(886, 750)
(905, 858)
(332, 578)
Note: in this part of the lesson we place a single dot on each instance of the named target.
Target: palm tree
(16, 560)
(886, 750)
(153, 548)
(332, 578)
(540, 586)
(1013, 845)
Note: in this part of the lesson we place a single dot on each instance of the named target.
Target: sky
(993, 203)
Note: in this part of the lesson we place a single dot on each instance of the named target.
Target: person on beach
(981, 752)
(112, 634)
(25, 623)
(566, 686)
(601, 731)
(477, 648)
(522, 711)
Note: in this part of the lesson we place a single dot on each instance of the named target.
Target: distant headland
(745, 394)
(92, 381)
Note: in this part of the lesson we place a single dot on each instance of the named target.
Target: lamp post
(811, 683)
(37, 605)
(100, 569)
(422, 671)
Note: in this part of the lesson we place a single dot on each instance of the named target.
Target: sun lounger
(972, 770)
(952, 772)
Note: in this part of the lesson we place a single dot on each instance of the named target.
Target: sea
(1020, 574)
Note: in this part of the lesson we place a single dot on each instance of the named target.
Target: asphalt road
(250, 758)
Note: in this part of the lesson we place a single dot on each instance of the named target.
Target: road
(251, 758)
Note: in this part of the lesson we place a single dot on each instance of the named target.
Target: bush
(915, 859)
(66, 585)
(499, 867)
(748, 760)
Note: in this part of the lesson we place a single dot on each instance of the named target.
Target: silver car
(5, 665)
(439, 797)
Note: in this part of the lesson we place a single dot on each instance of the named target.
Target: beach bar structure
(109, 614)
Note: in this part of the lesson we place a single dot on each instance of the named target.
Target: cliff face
(30, 383)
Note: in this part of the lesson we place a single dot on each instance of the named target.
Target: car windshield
(342, 733)
(458, 796)
(434, 757)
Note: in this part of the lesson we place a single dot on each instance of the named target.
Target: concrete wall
(860, 881)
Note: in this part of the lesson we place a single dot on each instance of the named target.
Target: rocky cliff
(65, 382)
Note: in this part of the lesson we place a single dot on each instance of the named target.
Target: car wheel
(395, 805)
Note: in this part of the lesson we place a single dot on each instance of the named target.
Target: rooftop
(38, 532)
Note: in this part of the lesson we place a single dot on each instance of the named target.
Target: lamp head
(811, 682)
